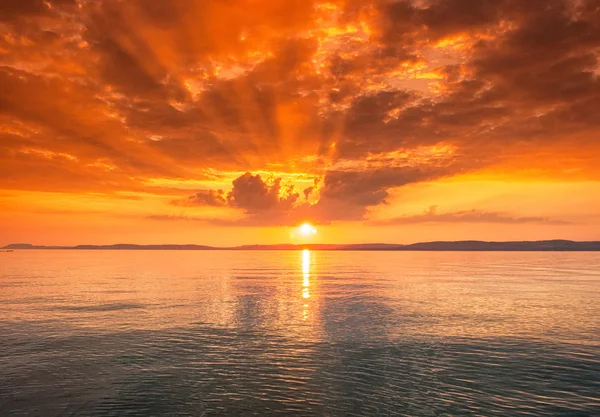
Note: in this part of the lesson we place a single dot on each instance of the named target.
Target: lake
(228, 333)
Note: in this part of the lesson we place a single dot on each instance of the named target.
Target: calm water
(126, 333)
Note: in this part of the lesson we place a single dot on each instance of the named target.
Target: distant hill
(467, 245)
(118, 246)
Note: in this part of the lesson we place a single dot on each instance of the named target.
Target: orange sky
(231, 122)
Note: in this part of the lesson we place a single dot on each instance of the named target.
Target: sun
(307, 229)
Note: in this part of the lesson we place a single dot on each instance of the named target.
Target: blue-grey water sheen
(226, 333)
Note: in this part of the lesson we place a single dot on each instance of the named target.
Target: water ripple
(383, 335)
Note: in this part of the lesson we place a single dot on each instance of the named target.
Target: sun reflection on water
(305, 281)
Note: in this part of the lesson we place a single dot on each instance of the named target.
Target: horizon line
(459, 245)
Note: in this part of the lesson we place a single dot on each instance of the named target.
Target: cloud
(370, 188)
(11, 10)
(310, 190)
(263, 202)
(110, 96)
(208, 198)
(249, 193)
(343, 195)
(177, 217)
(254, 195)
(466, 216)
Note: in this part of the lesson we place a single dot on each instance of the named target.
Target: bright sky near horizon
(234, 122)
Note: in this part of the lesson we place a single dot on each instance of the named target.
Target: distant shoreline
(458, 246)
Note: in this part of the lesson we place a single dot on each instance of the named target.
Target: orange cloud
(367, 96)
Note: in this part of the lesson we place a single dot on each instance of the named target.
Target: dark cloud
(310, 190)
(343, 195)
(347, 195)
(209, 198)
(10, 9)
(20, 9)
(366, 189)
(254, 195)
(467, 216)
(262, 201)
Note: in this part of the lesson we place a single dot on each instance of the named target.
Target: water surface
(177, 333)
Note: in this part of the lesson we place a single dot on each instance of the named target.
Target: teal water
(226, 333)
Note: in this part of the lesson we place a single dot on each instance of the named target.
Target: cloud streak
(467, 216)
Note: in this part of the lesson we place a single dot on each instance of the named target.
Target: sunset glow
(228, 123)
